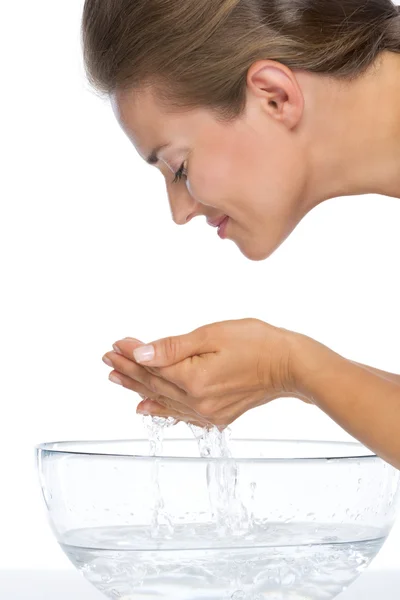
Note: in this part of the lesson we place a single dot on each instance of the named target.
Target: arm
(391, 376)
(361, 400)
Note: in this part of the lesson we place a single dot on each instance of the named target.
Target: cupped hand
(210, 376)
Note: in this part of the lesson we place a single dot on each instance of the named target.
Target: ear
(277, 87)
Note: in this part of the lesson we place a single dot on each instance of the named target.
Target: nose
(183, 206)
(182, 220)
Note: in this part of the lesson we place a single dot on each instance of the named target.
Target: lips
(217, 222)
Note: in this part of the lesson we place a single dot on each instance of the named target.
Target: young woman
(255, 111)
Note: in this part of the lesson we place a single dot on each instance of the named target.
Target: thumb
(170, 350)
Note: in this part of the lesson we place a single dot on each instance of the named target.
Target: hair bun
(392, 32)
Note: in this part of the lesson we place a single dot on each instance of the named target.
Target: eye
(179, 174)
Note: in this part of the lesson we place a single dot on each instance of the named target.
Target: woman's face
(253, 169)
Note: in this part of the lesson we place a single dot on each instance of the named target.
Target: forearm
(364, 403)
(391, 376)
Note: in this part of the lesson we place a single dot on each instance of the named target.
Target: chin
(257, 257)
(253, 253)
(258, 248)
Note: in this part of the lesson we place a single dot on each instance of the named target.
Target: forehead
(138, 114)
(149, 125)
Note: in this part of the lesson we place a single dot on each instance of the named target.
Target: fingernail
(114, 379)
(116, 349)
(144, 353)
(106, 360)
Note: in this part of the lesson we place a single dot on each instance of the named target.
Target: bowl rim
(364, 454)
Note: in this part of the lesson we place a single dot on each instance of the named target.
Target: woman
(255, 111)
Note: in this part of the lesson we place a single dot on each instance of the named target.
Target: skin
(303, 139)
(269, 168)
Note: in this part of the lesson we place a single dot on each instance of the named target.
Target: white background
(90, 254)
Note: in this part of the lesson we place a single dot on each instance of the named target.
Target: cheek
(268, 189)
(210, 180)
(274, 172)
(286, 174)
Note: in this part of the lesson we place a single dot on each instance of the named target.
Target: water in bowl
(232, 558)
(279, 561)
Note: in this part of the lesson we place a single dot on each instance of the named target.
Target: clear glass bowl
(281, 520)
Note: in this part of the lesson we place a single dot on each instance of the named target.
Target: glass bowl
(282, 519)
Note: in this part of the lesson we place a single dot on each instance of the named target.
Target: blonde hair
(197, 52)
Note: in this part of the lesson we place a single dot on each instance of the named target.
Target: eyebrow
(152, 159)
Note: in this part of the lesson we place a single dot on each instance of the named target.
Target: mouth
(222, 228)
(217, 222)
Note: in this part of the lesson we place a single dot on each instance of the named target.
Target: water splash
(228, 511)
(155, 430)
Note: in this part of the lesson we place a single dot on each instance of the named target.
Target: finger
(130, 384)
(167, 403)
(126, 347)
(155, 409)
(151, 407)
(174, 349)
(156, 385)
(136, 343)
(177, 374)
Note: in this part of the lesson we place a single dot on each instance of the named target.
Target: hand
(210, 376)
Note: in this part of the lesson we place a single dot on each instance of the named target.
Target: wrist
(309, 362)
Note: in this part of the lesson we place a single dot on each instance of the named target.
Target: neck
(353, 132)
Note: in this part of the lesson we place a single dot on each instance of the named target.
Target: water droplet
(288, 578)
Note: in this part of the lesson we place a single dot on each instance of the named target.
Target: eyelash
(179, 174)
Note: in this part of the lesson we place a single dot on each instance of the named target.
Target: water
(234, 557)
(155, 430)
(229, 513)
(278, 561)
